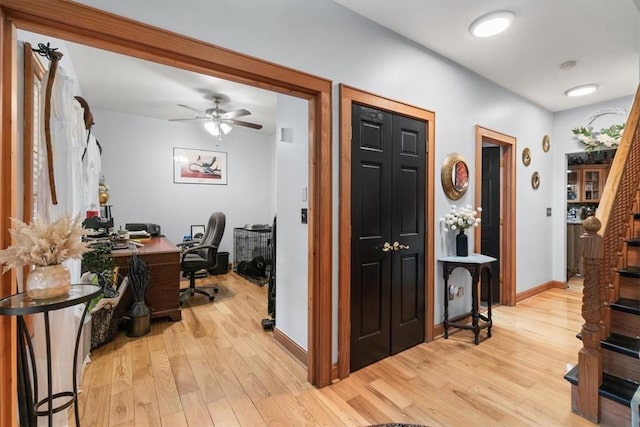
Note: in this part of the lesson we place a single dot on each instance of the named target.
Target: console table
(474, 264)
(20, 305)
(163, 260)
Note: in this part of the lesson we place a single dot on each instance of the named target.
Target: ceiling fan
(218, 121)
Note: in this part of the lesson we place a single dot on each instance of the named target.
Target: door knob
(387, 247)
(397, 246)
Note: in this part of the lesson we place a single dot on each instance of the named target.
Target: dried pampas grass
(43, 244)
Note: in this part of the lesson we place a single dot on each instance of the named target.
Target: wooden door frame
(83, 24)
(349, 95)
(508, 212)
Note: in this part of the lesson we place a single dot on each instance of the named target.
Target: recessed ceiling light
(582, 90)
(492, 23)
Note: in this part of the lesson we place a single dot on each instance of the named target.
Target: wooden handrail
(602, 245)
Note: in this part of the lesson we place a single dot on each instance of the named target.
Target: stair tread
(613, 388)
(630, 271)
(627, 305)
(622, 344)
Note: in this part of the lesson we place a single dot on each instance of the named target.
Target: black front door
(387, 241)
(490, 225)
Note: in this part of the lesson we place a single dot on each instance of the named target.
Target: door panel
(490, 231)
(370, 213)
(407, 288)
(387, 198)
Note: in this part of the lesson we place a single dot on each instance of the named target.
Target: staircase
(606, 382)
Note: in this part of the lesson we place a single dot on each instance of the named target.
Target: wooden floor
(218, 367)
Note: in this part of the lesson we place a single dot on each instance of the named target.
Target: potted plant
(98, 260)
(45, 245)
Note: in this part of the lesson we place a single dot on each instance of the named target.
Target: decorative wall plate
(546, 143)
(535, 180)
(454, 176)
(526, 156)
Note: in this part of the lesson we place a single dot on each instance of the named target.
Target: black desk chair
(202, 254)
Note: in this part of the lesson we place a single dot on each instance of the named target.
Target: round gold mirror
(526, 156)
(454, 176)
(535, 180)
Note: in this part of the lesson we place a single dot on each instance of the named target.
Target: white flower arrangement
(593, 140)
(462, 218)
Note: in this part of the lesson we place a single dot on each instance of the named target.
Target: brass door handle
(397, 246)
(387, 247)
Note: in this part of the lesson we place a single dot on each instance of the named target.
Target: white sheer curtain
(68, 138)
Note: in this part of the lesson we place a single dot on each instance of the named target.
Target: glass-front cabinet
(573, 190)
(585, 183)
(593, 180)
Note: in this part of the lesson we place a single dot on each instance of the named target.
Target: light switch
(548, 211)
(303, 215)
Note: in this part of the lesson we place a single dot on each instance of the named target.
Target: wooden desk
(474, 264)
(163, 293)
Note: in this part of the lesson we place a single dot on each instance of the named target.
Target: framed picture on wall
(199, 166)
(197, 231)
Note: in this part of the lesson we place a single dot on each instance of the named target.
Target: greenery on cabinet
(100, 262)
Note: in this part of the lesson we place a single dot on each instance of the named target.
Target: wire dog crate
(248, 244)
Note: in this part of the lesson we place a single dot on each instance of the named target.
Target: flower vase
(462, 244)
(49, 281)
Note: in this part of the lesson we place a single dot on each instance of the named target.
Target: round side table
(20, 305)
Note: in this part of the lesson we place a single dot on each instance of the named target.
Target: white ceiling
(114, 82)
(602, 36)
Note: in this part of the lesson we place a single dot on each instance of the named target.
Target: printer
(152, 229)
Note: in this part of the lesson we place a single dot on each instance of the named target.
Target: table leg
(474, 306)
(28, 392)
(446, 301)
(489, 293)
(75, 365)
(47, 335)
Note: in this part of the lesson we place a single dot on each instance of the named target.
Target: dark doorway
(387, 241)
(490, 225)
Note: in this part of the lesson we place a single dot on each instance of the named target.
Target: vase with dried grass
(45, 245)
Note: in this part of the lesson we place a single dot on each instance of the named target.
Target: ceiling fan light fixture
(492, 23)
(582, 90)
(213, 128)
(225, 128)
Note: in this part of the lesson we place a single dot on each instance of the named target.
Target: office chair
(202, 254)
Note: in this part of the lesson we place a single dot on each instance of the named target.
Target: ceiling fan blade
(245, 124)
(236, 113)
(193, 119)
(193, 109)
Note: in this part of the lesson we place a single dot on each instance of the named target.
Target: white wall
(292, 242)
(564, 143)
(137, 164)
(325, 39)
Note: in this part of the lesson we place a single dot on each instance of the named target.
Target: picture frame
(195, 230)
(191, 166)
(454, 176)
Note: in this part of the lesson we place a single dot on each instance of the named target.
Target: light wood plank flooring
(218, 367)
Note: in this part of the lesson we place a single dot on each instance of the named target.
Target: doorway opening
(499, 150)
(102, 30)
